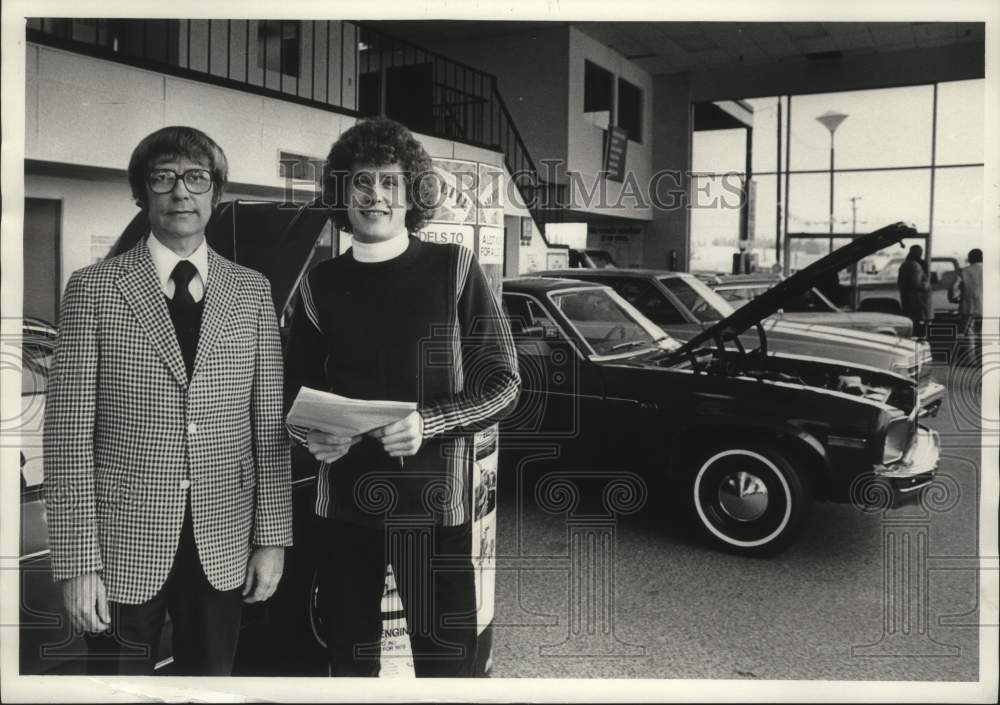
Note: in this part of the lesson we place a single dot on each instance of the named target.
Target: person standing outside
(167, 469)
(967, 292)
(395, 318)
(914, 285)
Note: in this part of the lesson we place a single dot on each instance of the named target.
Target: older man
(167, 472)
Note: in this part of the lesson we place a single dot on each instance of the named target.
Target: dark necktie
(182, 275)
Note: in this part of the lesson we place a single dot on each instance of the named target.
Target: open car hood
(276, 239)
(755, 311)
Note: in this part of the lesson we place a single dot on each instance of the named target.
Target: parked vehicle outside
(879, 291)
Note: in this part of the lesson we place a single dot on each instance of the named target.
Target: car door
(562, 397)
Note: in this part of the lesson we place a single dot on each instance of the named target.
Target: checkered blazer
(127, 437)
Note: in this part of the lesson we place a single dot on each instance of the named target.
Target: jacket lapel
(219, 295)
(141, 289)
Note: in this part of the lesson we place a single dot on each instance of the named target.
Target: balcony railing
(346, 67)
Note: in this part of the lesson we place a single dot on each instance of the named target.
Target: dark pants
(206, 623)
(434, 575)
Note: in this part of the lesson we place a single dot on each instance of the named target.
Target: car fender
(804, 449)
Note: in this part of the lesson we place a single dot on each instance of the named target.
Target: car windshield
(606, 321)
(703, 303)
(811, 301)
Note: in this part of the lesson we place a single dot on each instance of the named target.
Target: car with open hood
(746, 436)
(684, 306)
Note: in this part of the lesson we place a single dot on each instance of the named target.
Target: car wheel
(748, 500)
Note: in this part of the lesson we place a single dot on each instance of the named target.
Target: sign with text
(615, 152)
(441, 233)
(490, 245)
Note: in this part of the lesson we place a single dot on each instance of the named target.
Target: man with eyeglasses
(167, 470)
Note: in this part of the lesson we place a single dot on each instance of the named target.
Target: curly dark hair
(377, 142)
(171, 143)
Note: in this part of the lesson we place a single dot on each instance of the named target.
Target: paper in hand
(344, 416)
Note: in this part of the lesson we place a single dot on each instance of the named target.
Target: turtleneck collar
(380, 251)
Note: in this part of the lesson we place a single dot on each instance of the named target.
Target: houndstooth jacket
(127, 437)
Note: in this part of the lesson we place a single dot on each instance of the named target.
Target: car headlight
(897, 440)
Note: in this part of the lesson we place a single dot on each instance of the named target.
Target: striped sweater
(423, 327)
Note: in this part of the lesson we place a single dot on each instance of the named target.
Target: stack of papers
(342, 415)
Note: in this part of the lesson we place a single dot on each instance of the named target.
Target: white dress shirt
(165, 259)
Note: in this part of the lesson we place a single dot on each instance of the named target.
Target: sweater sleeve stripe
(464, 264)
(502, 388)
(308, 304)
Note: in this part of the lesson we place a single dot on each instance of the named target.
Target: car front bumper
(916, 469)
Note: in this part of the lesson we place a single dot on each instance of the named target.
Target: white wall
(94, 214)
(585, 154)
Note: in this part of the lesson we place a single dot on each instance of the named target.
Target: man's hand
(402, 438)
(263, 573)
(87, 603)
(327, 447)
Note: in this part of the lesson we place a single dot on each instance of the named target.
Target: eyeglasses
(195, 180)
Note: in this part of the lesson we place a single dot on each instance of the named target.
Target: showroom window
(910, 153)
(598, 98)
(630, 109)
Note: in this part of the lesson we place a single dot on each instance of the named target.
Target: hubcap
(743, 496)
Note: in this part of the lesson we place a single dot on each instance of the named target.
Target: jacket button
(185, 483)
(192, 428)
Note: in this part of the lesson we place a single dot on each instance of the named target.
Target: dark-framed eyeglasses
(195, 180)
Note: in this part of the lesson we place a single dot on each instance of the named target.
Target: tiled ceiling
(673, 47)
(686, 46)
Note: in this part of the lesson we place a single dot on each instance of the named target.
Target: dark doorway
(409, 96)
(42, 227)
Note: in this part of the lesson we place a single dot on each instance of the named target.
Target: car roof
(747, 279)
(632, 272)
(541, 284)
